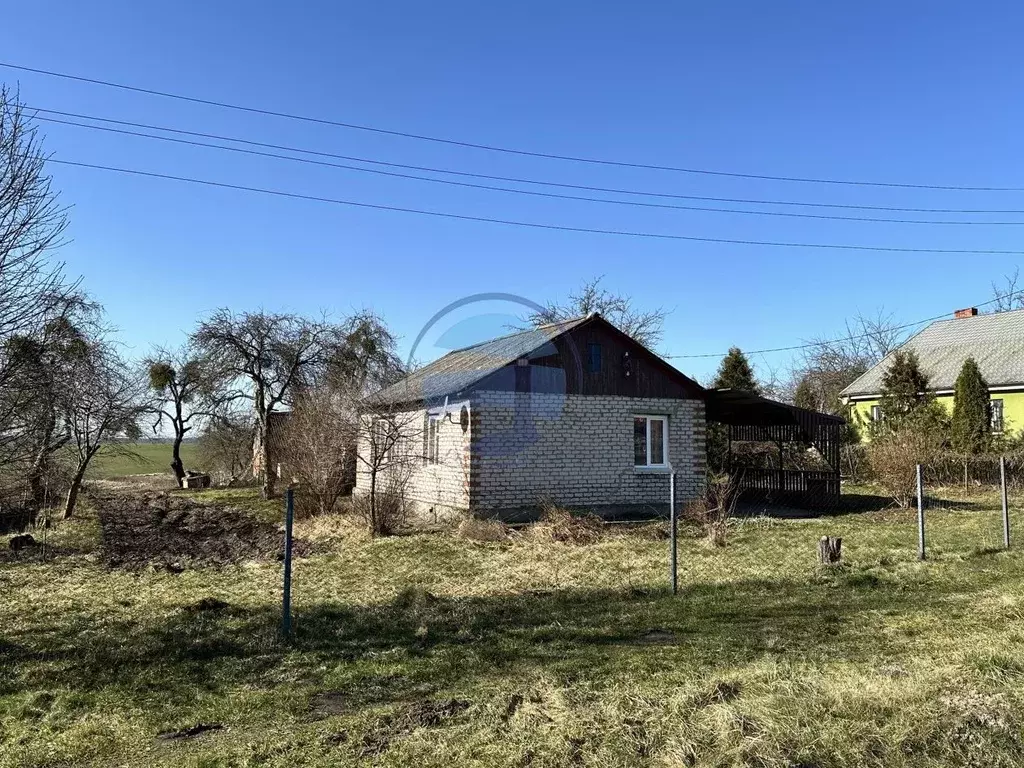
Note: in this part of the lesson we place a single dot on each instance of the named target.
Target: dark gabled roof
(995, 341)
(461, 368)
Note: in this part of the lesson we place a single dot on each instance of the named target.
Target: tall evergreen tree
(735, 372)
(971, 424)
(904, 386)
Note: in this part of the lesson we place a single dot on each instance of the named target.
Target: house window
(996, 415)
(650, 441)
(876, 413)
(593, 357)
(431, 439)
(385, 438)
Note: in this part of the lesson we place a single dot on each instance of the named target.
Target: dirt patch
(658, 637)
(421, 714)
(172, 532)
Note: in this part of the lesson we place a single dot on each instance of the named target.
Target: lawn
(434, 650)
(144, 458)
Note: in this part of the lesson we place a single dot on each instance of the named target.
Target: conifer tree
(970, 425)
(735, 372)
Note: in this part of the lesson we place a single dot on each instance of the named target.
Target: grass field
(150, 457)
(431, 650)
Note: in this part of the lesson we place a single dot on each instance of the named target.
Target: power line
(516, 180)
(494, 148)
(539, 225)
(534, 193)
(812, 344)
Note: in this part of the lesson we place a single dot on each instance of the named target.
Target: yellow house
(995, 341)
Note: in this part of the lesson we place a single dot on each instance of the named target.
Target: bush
(561, 525)
(475, 529)
(894, 456)
(386, 512)
(714, 508)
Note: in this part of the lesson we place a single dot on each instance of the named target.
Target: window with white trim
(650, 441)
(876, 413)
(995, 410)
(431, 439)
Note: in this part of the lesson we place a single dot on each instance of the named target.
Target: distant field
(152, 457)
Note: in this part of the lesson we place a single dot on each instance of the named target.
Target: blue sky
(923, 93)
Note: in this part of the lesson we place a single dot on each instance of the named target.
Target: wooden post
(673, 575)
(830, 550)
(286, 606)
(920, 516)
(1006, 505)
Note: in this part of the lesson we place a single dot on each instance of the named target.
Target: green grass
(148, 458)
(763, 659)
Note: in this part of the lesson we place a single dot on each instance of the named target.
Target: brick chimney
(968, 312)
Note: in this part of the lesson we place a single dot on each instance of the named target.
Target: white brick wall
(441, 488)
(524, 448)
(578, 450)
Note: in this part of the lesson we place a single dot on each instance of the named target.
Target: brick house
(576, 413)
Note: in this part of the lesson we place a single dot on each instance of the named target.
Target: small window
(385, 438)
(996, 416)
(650, 441)
(431, 439)
(876, 413)
(594, 357)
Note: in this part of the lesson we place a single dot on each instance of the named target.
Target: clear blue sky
(918, 92)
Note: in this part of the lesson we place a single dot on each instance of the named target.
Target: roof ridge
(552, 324)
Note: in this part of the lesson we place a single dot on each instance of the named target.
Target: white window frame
(876, 413)
(433, 442)
(991, 415)
(649, 417)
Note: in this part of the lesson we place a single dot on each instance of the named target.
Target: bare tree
(645, 326)
(264, 357)
(185, 392)
(318, 445)
(226, 445)
(1008, 296)
(390, 443)
(32, 225)
(102, 402)
(41, 365)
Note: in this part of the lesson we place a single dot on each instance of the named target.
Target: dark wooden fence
(804, 488)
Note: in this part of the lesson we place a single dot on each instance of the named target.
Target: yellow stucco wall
(1013, 410)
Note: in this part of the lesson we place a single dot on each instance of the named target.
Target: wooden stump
(830, 550)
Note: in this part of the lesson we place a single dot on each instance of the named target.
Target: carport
(751, 418)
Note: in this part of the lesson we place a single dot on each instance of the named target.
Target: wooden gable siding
(561, 366)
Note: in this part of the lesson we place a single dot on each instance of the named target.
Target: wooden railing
(806, 487)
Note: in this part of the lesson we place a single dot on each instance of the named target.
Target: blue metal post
(286, 608)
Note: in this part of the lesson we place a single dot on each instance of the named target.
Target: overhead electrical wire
(496, 148)
(540, 225)
(517, 180)
(855, 337)
(534, 193)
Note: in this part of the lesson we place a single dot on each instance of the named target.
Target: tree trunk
(269, 475)
(76, 485)
(176, 466)
(830, 550)
(37, 478)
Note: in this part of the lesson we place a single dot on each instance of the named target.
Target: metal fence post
(286, 603)
(920, 516)
(1006, 505)
(672, 532)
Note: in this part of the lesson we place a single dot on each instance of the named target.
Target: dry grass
(565, 527)
(424, 650)
(475, 529)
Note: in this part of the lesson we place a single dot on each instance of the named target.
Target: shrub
(714, 508)
(895, 454)
(386, 511)
(475, 529)
(561, 525)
